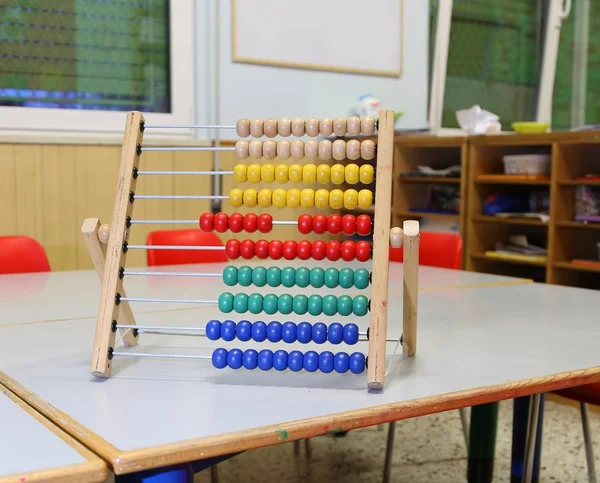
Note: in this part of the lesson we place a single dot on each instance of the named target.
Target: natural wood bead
(270, 128)
(367, 126)
(297, 149)
(353, 125)
(312, 127)
(103, 233)
(353, 149)
(396, 237)
(284, 127)
(326, 127)
(269, 149)
(338, 150)
(339, 126)
(298, 127)
(283, 149)
(241, 149)
(255, 149)
(367, 150)
(242, 127)
(311, 149)
(324, 149)
(256, 128)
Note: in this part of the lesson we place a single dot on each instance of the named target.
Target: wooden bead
(269, 149)
(312, 127)
(242, 127)
(284, 127)
(396, 237)
(367, 126)
(283, 149)
(298, 127)
(324, 149)
(339, 150)
(256, 128)
(353, 149)
(339, 126)
(241, 149)
(326, 127)
(255, 149)
(367, 150)
(103, 233)
(311, 149)
(353, 125)
(297, 149)
(270, 128)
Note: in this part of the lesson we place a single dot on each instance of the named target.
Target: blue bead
(250, 359)
(335, 333)
(340, 362)
(274, 331)
(351, 334)
(319, 333)
(244, 330)
(213, 330)
(280, 360)
(234, 358)
(259, 331)
(265, 359)
(357, 363)
(304, 332)
(295, 361)
(311, 361)
(228, 330)
(326, 362)
(219, 358)
(288, 332)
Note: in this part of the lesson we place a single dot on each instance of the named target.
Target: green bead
(270, 303)
(332, 277)
(255, 303)
(315, 305)
(226, 302)
(274, 276)
(360, 305)
(317, 277)
(230, 275)
(344, 305)
(300, 304)
(284, 304)
(330, 303)
(361, 278)
(288, 277)
(302, 277)
(259, 276)
(346, 278)
(245, 276)
(240, 303)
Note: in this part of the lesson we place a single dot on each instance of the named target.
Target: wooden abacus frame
(108, 261)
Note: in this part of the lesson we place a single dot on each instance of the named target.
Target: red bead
(206, 222)
(304, 249)
(250, 221)
(232, 249)
(363, 225)
(318, 250)
(275, 249)
(247, 249)
(363, 251)
(265, 223)
(261, 249)
(333, 250)
(348, 250)
(235, 222)
(221, 222)
(319, 224)
(334, 224)
(349, 224)
(290, 249)
(305, 224)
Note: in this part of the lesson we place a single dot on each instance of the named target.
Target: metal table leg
(482, 443)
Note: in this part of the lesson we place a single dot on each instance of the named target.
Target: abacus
(108, 246)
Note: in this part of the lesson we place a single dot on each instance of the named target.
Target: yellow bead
(239, 173)
(336, 199)
(295, 173)
(253, 173)
(352, 173)
(250, 197)
(281, 173)
(309, 173)
(279, 198)
(265, 197)
(307, 198)
(367, 174)
(350, 199)
(323, 173)
(236, 197)
(267, 173)
(322, 198)
(293, 198)
(365, 199)
(337, 174)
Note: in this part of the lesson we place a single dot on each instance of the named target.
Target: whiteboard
(353, 36)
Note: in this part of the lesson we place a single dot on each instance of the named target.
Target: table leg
(521, 407)
(482, 443)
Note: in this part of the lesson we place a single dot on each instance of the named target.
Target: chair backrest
(436, 249)
(192, 237)
(22, 254)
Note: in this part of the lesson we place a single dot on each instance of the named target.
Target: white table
(477, 342)
(34, 449)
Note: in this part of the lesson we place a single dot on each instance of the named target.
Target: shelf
(531, 182)
(579, 182)
(509, 221)
(428, 179)
(422, 214)
(572, 266)
(481, 256)
(578, 224)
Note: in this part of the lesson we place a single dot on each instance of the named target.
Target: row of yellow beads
(307, 198)
(309, 173)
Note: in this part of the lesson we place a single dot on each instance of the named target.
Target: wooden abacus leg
(410, 287)
(95, 238)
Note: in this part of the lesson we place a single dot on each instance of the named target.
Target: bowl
(530, 127)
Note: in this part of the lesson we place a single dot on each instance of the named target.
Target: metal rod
(170, 301)
(180, 197)
(175, 247)
(192, 126)
(159, 356)
(170, 222)
(194, 173)
(389, 452)
(587, 441)
(174, 274)
(161, 327)
(534, 410)
(189, 148)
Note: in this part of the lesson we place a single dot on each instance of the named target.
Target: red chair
(436, 249)
(192, 237)
(22, 254)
